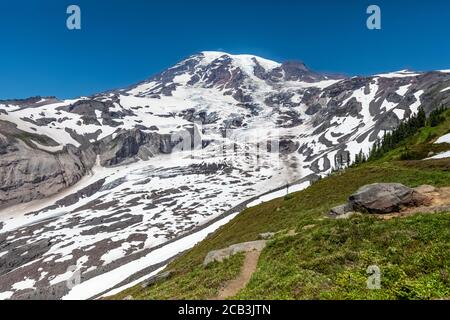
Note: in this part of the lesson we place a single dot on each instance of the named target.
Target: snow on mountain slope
(444, 139)
(92, 184)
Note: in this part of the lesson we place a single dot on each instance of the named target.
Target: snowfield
(108, 280)
(257, 125)
(444, 139)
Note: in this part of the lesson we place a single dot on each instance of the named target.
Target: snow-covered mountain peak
(230, 73)
(242, 60)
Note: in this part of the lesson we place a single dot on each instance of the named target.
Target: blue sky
(123, 42)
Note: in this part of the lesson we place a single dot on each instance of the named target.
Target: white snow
(441, 155)
(133, 283)
(64, 258)
(398, 74)
(403, 89)
(243, 60)
(103, 282)
(6, 295)
(446, 89)
(400, 113)
(415, 106)
(388, 105)
(444, 139)
(119, 252)
(182, 79)
(278, 194)
(24, 284)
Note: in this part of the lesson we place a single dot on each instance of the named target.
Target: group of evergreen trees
(406, 129)
(391, 140)
(436, 116)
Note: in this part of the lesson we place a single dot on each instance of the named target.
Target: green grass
(327, 258)
(199, 283)
(330, 260)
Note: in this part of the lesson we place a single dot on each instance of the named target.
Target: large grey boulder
(385, 198)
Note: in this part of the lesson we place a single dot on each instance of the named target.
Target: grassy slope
(327, 259)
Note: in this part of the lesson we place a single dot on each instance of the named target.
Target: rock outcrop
(131, 145)
(381, 198)
(222, 254)
(27, 174)
(385, 198)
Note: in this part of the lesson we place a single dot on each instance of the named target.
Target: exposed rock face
(222, 254)
(130, 145)
(27, 173)
(385, 198)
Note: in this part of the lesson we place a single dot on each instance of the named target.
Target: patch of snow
(415, 106)
(24, 284)
(441, 155)
(6, 295)
(133, 283)
(64, 258)
(108, 280)
(398, 74)
(444, 139)
(117, 253)
(182, 78)
(403, 89)
(400, 113)
(279, 194)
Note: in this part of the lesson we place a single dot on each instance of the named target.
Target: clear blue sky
(123, 42)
